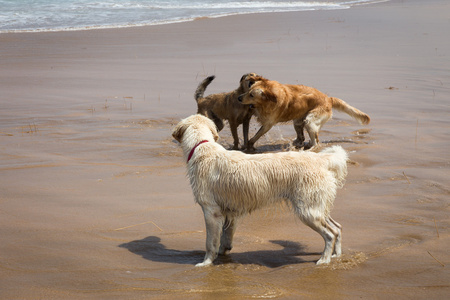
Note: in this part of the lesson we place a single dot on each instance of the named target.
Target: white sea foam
(58, 15)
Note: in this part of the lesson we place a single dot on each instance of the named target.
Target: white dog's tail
(202, 87)
(337, 163)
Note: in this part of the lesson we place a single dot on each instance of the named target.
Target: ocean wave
(69, 15)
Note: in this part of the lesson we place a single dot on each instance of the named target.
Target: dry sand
(94, 202)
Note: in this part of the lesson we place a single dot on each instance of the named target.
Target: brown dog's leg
(260, 133)
(299, 125)
(312, 127)
(313, 122)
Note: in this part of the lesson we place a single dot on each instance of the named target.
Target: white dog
(229, 184)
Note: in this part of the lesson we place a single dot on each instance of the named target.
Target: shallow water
(110, 182)
(94, 199)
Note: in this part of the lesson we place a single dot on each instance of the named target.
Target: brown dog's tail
(355, 113)
(202, 87)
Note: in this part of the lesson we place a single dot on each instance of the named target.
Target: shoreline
(168, 22)
(94, 199)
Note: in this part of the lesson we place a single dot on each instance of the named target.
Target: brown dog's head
(247, 80)
(258, 94)
(194, 129)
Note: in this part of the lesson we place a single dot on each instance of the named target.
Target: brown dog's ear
(269, 96)
(256, 92)
(252, 81)
(178, 132)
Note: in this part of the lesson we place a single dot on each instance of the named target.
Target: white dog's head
(194, 129)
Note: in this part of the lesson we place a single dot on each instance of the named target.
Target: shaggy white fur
(229, 184)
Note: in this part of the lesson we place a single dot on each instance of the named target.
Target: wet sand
(94, 202)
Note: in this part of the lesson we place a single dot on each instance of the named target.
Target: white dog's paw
(205, 263)
(224, 250)
(322, 261)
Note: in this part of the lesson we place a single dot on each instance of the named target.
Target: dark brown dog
(306, 106)
(225, 106)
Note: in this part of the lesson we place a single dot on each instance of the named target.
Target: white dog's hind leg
(330, 240)
(315, 219)
(214, 221)
(337, 231)
(320, 226)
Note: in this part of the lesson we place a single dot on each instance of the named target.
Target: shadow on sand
(151, 248)
(283, 147)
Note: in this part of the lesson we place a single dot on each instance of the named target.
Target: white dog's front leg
(214, 221)
(226, 241)
(205, 263)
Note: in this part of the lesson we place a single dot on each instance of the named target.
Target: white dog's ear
(178, 132)
(210, 124)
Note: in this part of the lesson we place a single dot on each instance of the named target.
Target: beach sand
(94, 200)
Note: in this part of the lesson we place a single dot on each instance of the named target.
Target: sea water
(57, 15)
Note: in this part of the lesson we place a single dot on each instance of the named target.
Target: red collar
(193, 149)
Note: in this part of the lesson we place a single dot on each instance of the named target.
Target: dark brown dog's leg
(216, 120)
(245, 128)
(234, 133)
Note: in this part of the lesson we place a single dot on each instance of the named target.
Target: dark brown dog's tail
(202, 87)
(355, 113)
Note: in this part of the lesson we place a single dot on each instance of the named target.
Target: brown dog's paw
(249, 150)
(298, 144)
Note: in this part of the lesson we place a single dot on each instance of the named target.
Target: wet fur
(225, 106)
(230, 184)
(309, 108)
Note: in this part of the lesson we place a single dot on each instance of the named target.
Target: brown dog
(225, 106)
(309, 108)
